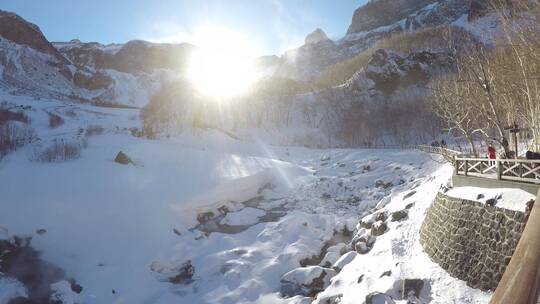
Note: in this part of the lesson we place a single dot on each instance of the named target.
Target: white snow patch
(11, 289)
(507, 198)
(246, 216)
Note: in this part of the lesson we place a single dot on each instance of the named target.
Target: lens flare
(223, 65)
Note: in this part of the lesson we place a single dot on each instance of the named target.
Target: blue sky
(274, 25)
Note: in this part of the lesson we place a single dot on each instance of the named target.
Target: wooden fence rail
(448, 154)
(437, 150)
(520, 170)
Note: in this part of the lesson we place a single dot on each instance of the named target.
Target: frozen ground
(242, 214)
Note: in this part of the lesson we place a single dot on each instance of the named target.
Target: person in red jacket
(492, 153)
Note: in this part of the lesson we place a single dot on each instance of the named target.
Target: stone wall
(470, 240)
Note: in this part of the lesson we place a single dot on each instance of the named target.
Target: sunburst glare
(223, 65)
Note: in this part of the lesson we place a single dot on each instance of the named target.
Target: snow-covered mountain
(109, 73)
(325, 92)
(372, 22)
(124, 74)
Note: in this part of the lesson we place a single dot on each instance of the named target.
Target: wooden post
(499, 169)
(520, 283)
(466, 167)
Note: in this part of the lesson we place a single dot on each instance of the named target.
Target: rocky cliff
(371, 23)
(126, 74)
(20, 31)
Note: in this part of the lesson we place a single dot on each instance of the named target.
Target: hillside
(209, 219)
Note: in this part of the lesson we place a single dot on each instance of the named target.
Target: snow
(62, 292)
(345, 259)
(10, 289)
(507, 198)
(400, 252)
(131, 228)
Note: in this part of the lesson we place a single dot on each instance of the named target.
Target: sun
(223, 64)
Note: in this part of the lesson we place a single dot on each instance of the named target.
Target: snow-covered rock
(63, 293)
(344, 260)
(330, 258)
(379, 298)
(340, 248)
(362, 241)
(181, 273)
(412, 289)
(399, 215)
(378, 228)
(307, 281)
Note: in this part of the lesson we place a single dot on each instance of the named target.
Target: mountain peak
(16, 29)
(316, 36)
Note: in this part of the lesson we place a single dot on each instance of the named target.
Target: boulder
(399, 215)
(176, 274)
(330, 258)
(363, 244)
(368, 220)
(379, 228)
(406, 196)
(381, 216)
(344, 260)
(335, 299)
(379, 298)
(65, 292)
(412, 288)
(122, 158)
(306, 281)
(383, 184)
(386, 273)
(341, 248)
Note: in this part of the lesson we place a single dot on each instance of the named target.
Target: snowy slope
(123, 232)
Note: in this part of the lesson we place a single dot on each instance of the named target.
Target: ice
(247, 216)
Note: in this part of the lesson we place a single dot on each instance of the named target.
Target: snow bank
(507, 198)
(398, 255)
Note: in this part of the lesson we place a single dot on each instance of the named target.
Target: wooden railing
(448, 154)
(437, 150)
(520, 283)
(520, 170)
